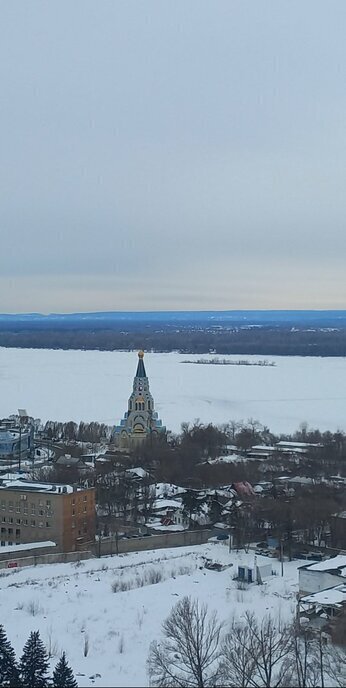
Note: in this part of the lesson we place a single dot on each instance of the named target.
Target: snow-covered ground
(94, 385)
(74, 606)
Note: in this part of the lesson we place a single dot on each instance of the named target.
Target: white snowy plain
(94, 385)
(74, 606)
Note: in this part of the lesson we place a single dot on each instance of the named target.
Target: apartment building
(37, 512)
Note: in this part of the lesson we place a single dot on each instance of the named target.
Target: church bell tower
(140, 421)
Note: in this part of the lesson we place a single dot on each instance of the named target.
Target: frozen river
(94, 385)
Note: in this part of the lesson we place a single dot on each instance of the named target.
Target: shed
(254, 573)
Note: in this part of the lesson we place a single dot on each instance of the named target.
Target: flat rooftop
(335, 597)
(32, 486)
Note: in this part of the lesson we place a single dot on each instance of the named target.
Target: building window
(10, 519)
(84, 498)
(25, 509)
(3, 504)
(73, 524)
(48, 502)
(18, 521)
(3, 543)
(41, 512)
(25, 521)
(47, 524)
(10, 531)
(4, 519)
(10, 506)
(33, 522)
(73, 512)
(18, 507)
(40, 524)
(33, 509)
(10, 542)
(85, 510)
(17, 532)
(3, 530)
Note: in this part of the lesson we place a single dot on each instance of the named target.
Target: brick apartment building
(37, 512)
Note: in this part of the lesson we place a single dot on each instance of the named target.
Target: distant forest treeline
(279, 340)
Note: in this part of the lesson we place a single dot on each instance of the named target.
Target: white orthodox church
(140, 421)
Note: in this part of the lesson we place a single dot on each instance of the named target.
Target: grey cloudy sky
(172, 154)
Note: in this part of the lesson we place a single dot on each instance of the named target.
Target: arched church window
(148, 405)
(136, 406)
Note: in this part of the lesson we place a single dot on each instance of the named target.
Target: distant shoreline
(225, 361)
(221, 335)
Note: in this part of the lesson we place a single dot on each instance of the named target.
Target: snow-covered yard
(110, 609)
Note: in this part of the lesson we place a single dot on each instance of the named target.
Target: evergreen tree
(33, 664)
(9, 673)
(63, 675)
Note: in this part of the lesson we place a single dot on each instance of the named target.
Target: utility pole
(230, 544)
(282, 558)
(20, 444)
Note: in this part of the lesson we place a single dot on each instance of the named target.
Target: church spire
(140, 368)
(140, 421)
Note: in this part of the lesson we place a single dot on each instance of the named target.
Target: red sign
(12, 565)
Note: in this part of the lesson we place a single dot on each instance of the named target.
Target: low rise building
(338, 530)
(322, 574)
(16, 440)
(321, 608)
(37, 512)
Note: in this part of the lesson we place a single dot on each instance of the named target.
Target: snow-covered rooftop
(27, 486)
(167, 504)
(24, 547)
(227, 458)
(168, 489)
(301, 480)
(174, 527)
(333, 564)
(335, 596)
(264, 447)
(140, 472)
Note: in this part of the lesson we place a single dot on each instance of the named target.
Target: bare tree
(314, 661)
(254, 654)
(237, 666)
(335, 666)
(189, 654)
(304, 666)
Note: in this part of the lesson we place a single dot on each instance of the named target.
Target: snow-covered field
(94, 385)
(74, 606)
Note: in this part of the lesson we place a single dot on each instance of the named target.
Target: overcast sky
(172, 154)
